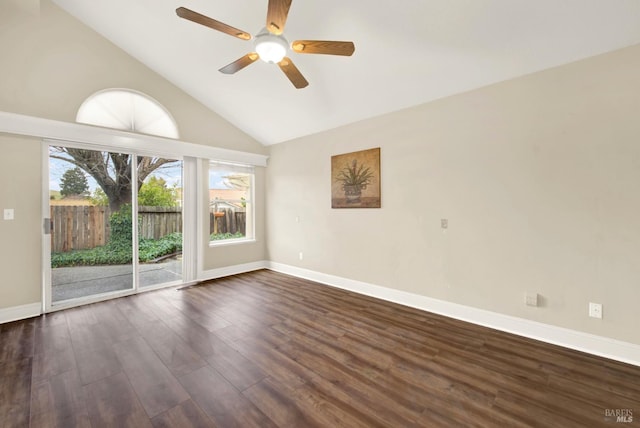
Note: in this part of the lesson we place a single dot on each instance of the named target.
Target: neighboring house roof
(70, 201)
(226, 194)
(226, 198)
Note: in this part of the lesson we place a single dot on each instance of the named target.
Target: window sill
(225, 242)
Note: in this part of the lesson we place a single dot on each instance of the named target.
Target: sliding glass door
(160, 223)
(115, 223)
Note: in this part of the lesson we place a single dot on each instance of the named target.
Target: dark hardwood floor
(268, 350)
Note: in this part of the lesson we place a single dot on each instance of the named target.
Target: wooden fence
(78, 227)
(84, 227)
(156, 222)
(230, 221)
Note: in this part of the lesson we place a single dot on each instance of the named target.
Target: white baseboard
(231, 270)
(585, 342)
(21, 312)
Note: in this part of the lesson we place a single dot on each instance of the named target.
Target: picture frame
(355, 179)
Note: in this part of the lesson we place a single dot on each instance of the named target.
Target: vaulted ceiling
(408, 52)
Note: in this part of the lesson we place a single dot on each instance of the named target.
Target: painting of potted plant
(356, 179)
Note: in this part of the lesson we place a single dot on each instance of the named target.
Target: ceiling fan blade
(239, 64)
(293, 73)
(327, 47)
(277, 15)
(198, 18)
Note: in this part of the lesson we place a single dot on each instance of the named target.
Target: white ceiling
(408, 52)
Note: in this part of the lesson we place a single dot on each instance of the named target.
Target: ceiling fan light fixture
(270, 47)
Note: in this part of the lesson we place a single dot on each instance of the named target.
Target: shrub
(148, 249)
(221, 236)
(120, 224)
(95, 256)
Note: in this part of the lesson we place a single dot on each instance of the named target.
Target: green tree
(73, 182)
(99, 198)
(155, 193)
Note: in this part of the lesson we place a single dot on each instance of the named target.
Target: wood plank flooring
(265, 349)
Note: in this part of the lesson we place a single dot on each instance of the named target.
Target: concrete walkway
(73, 282)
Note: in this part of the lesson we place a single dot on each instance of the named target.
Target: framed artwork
(355, 179)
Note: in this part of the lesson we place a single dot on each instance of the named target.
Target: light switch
(531, 299)
(8, 213)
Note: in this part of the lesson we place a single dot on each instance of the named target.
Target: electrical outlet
(8, 214)
(595, 310)
(531, 299)
(444, 223)
(300, 255)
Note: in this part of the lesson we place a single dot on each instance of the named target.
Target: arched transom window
(128, 110)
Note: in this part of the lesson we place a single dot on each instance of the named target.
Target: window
(231, 208)
(129, 110)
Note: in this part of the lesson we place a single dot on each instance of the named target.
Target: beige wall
(20, 239)
(537, 176)
(50, 63)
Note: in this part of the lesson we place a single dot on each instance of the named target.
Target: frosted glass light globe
(271, 48)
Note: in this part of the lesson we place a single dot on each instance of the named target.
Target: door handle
(47, 225)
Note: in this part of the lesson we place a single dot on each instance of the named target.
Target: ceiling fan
(270, 44)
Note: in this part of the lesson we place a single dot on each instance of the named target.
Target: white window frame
(251, 223)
